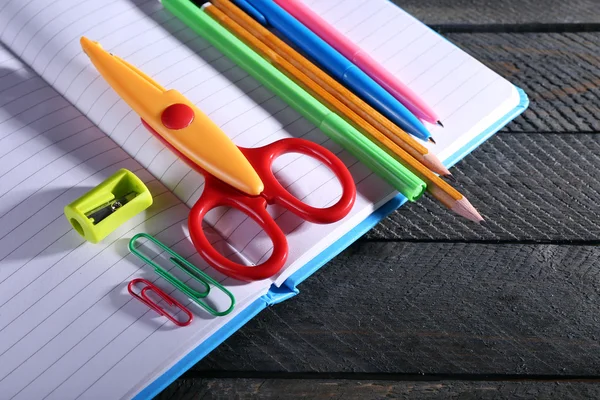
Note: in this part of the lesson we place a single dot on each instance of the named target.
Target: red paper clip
(147, 301)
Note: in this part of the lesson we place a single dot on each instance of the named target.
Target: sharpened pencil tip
(431, 140)
(451, 178)
(464, 208)
(440, 124)
(435, 165)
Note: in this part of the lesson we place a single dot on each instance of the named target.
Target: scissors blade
(177, 121)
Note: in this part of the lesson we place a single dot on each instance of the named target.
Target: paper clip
(143, 297)
(188, 268)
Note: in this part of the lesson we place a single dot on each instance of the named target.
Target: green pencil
(330, 123)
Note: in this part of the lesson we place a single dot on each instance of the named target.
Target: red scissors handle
(262, 159)
(217, 193)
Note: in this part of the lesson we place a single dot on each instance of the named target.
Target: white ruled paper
(68, 328)
(64, 305)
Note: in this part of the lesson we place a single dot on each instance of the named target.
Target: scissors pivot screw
(177, 116)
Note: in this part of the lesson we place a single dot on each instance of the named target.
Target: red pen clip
(170, 301)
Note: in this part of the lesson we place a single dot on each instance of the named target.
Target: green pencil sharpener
(107, 206)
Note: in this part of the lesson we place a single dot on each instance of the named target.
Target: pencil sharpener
(107, 206)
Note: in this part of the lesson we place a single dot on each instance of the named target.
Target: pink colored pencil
(360, 58)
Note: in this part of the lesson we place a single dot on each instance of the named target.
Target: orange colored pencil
(228, 15)
(347, 97)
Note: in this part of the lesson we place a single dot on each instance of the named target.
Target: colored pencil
(347, 97)
(228, 15)
(362, 59)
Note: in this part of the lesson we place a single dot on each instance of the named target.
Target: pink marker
(360, 58)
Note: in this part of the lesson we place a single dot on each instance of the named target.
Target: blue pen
(268, 12)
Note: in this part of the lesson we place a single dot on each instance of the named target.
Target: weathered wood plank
(371, 390)
(529, 187)
(558, 71)
(432, 308)
(536, 184)
(477, 12)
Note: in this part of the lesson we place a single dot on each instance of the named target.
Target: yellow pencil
(230, 15)
(347, 97)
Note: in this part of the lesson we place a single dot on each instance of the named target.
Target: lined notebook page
(66, 318)
(45, 34)
(468, 96)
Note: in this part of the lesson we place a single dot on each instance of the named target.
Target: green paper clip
(188, 268)
(107, 206)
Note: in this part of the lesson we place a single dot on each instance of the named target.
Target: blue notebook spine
(278, 294)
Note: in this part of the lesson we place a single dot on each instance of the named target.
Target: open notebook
(68, 327)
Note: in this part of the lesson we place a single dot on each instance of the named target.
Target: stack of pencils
(246, 23)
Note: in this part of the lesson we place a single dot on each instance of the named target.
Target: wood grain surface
(432, 308)
(477, 12)
(427, 305)
(532, 187)
(558, 71)
(322, 389)
(541, 167)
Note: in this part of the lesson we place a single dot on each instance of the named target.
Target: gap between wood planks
(516, 28)
(191, 374)
(504, 132)
(567, 242)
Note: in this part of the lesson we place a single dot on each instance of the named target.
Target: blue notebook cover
(290, 287)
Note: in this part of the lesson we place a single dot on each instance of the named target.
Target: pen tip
(440, 124)
(431, 140)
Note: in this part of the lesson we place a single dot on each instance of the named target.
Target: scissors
(234, 176)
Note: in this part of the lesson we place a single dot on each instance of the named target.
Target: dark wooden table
(453, 310)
